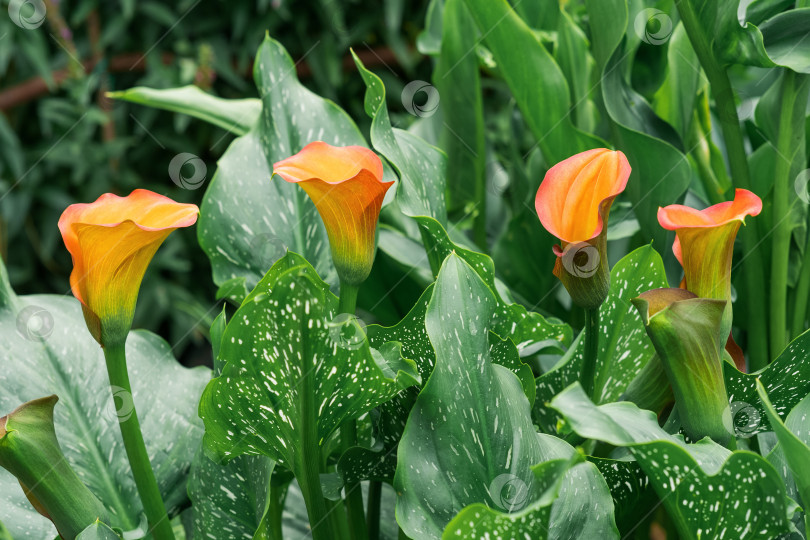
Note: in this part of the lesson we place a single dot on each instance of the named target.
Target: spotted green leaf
(421, 166)
(786, 380)
(466, 433)
(282, 345)
(793, 436)
(708, 491)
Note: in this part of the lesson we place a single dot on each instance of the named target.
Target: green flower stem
(159, 525)
(348, 435)
(272, 522)
(307, 463)
(591, 352)
(802, 292)
(374, 500)
(738, 164)
(781, 224)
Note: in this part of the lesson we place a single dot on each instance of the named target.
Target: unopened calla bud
(30, 451)
(689, 337)
(573, 204)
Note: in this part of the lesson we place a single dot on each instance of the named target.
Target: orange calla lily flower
(704, 242)
(111, 242)
(346, 185)
(573, 204)
(704, 245)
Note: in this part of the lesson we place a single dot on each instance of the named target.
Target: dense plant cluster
(562, 295)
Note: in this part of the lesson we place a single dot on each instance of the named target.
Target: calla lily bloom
(704, 245)
(688, 335)
(704, 242)
(346, 185)
(112, 241)
(573, 204)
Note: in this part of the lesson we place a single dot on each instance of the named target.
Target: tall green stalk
(348, 435)
(159, 526)
(738, 164)
(591, 352)
(801, 294)
(306, 466)
(780, 254)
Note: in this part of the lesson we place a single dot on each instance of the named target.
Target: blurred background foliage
(62, 141)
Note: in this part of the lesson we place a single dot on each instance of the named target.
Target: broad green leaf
(98, 531)
(249, 221)
(708, 491)
(675, 99)
(612, 15)
(793, 437)
(573, 55)
(421, 167)
(480, 521)
(549, 384)
(48, 350)
(630, 488)
(235, 115)
(459, 86)
(282, 343)
(229, 500)
(18, 516)
(784, 37)
(465, 433)
(732, 42)
(786, 380)
(534, 78)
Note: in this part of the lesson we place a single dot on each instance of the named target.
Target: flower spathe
(688, 335)
(112, 241)
(704, 245)
(573, 203)
(346, 186)
(704, 242)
